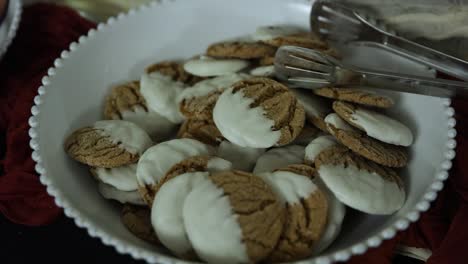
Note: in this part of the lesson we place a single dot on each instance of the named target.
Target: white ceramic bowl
(73, 92)
(9, 26)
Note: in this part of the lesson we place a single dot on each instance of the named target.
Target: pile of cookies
(217, 161)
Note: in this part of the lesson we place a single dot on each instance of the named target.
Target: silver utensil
(310, 69)
(334, 21)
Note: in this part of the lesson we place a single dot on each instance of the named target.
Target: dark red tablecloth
(46, 30)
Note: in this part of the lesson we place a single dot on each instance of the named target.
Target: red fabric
(47, 29)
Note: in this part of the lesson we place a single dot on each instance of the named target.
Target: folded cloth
(45, 30)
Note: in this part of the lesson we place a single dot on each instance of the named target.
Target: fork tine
(302, 58)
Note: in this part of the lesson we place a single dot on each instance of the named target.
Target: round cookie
(108, 144)
(316, 146)
(300, 169)
(265, 33)
(242, 219)
(277, 158)
(175, 70)
(267, 61)
(355, 96)
(122, 178)
(360, 183)
(240, 50)
(157, 160)
(123, 197)
(198, 101)
(374, 150)
(376, 125)
(306, 214)
(242, 158)
(205, 66)
(137, 219)
(259, 113)
(203, 130)
(263, 71)
(125, 102)
(316, 108)
(305, 40)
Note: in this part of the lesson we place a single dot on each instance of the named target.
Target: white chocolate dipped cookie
(277, 158)
(242, 158)
(259, 113)
(108, 144)
(157, 160)
(316, 146)
(122, 178)
(316, 108)
(263, 71)
(205, 66)
(111, 193)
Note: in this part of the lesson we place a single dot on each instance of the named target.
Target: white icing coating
(382, 127)
(336, 121)
(336, 214)
(314, 106)
(157, 160)
(289, 187)
(242, 125)
(278, 158)
(166, 212)
(272, 32)
(208, 86)
(266, 71)
(122, 178)
(318, 145)
(212, 227)
(128, 135)
(160, 93)
(362, 190)
(157, 127)
(242, 158)
(109, 192)
(207, 66)
(216, 164)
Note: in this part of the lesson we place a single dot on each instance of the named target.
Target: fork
(334, 21)
(310, 69)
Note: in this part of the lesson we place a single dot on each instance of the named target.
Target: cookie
(125, 102)
(263, 71)
(175, 70)
(300, 169)
(306, 214)
(122, 178)
(305, 40)
(123, 197)
(355, 96)
(160, 92)
(277, 158)
(205, 66)
(376, 125)
(240, 50)
(308, 133)
(242, 218)
(316, 108)
(108, 144)
(259, 113)
(198, 101)
(157, 160)
(374, 150)
(242, 158)
(267, 61)
(316, 146)
(360, 183)
(203, 130)
(266, 33)
(137, 219)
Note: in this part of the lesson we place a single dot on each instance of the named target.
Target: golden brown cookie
(355, 96)
(137, 219)
(266, 61)
(305, 40)
(200, 107)
(300, 169)
(203, 130)
(240, 50)
(175, 70)
(122, 98)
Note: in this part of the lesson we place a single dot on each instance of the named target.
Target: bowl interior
(180, 29)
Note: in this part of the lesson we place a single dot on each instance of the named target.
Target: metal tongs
(334, 21)
(306, 68)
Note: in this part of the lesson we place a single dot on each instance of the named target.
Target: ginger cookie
(203, 130)
(198, 101)
(111, 193)
(240, 50)
(316, 108)
(277, 158)
(122, 178)
(125, 102)
(374, 150)
(175, 70)
(259, 113)
(300, 169)
(267, 61)
(306, 214)
(305, 40)
(316, 146)
(242, 158)
(355, 96)
(376, 125)
(108, 144)
(308, 133)
(360, 183)
(263, 71)
(157, 160)
(137, 219)
(205, 66)
(242, 218)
